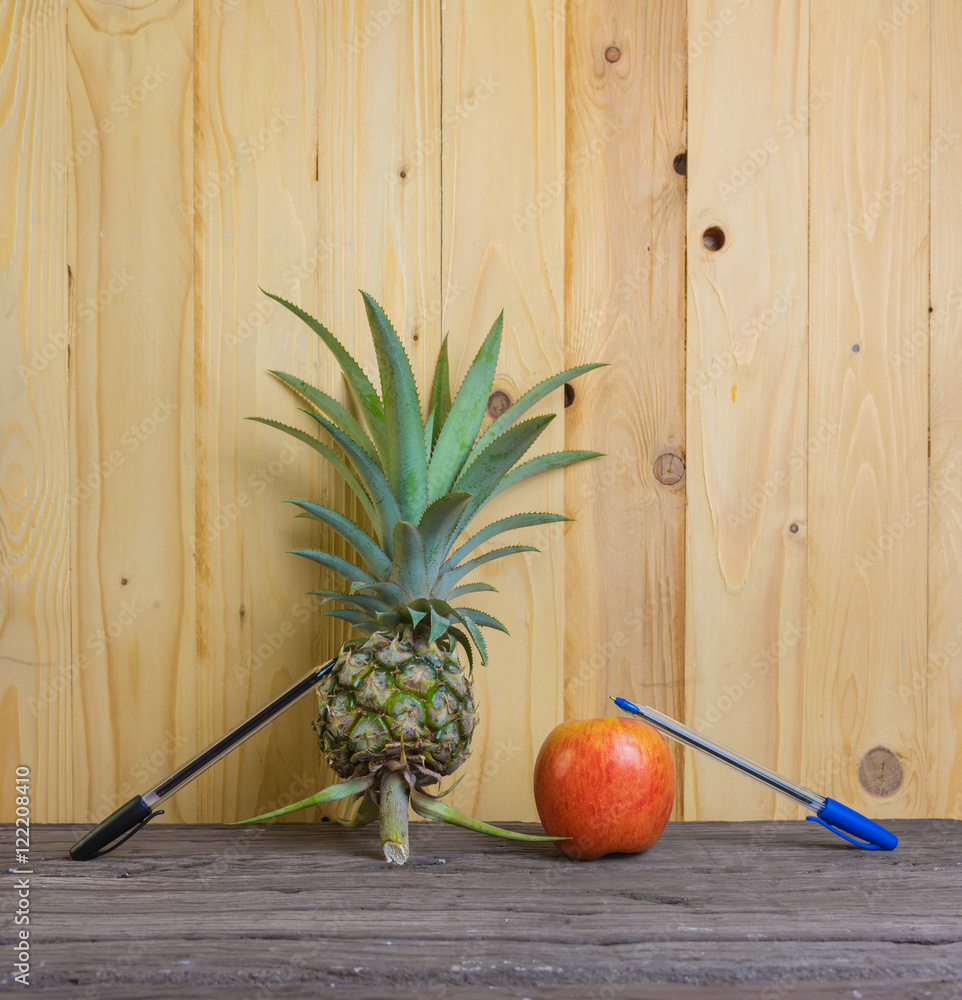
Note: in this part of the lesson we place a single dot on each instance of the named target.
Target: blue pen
(831, 814)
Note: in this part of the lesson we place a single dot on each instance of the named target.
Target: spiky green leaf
(409, 570)
(356, 618)
(331, 408)
(544, 463)
(462, 640)
(450, 577)
(476, 637)
(470, 588)
(439, 527)
(367, 812)
(483, 619)
(481, 479)
(460, 428)
(372, 605)
(415, 615)
(431, 808)
(388, 621)
(376, 560)
(404, 461)
(509, 523)
(389, 593)
(429, 435)
(363, 390)
(340, 566)
(371, 476)
(342, 790)
(440, 392)
(439, 625)
(346, 473)
(532, 396)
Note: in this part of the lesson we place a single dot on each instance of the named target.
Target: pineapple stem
(394, 817)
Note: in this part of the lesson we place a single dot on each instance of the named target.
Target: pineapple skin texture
(396, 695)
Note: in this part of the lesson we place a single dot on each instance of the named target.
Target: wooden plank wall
(747, 210)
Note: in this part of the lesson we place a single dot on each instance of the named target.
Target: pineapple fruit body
(397, 712)
(396, 696)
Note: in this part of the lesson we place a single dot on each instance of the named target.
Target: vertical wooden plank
(748, 108)
(379, 195)
(255, 223)
(380, 181)
(942, 679)
(625, 304)
(503, 235)
(868, 484)
(35, 664)
(129, 165)
(344, 194)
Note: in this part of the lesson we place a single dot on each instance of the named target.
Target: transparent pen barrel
(735, 760)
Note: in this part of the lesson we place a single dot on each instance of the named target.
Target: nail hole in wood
(123, 581)
(713, 238)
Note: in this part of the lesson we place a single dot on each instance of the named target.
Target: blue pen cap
(838, 818)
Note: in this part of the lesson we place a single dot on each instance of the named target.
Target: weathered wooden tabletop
(774, 910)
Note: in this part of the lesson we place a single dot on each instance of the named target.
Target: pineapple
(397, 711)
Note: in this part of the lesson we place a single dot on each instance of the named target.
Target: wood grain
(36, 673)
(132, 510)
(255, 224)
(941, 682)
(502, 121)
(379, 197)
(624, 295)
(746, 394)
(164, 159)
(868, 484)
(712, 905)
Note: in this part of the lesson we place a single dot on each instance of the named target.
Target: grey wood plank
(273, 910)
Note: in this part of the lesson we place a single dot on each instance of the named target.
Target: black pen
(133, 815)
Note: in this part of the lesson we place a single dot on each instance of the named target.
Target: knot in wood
(612, 53)
(669, 469)
(880, 772)
(498, 402)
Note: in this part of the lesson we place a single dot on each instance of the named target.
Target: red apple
(608, 784)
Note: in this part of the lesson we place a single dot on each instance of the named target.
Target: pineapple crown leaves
(421, 480)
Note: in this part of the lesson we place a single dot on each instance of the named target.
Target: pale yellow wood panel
(503, 161)
(379, 195)
(942, 679)
(625, 265)
(344, 195)
(868, 483)
(379, 203)
(36, 672)
(748, 109)
(255, 219)
(132, 490)
(379, 185)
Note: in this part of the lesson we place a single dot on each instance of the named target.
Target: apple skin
(608, 784)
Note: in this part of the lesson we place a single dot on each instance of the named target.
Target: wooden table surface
(770, 910)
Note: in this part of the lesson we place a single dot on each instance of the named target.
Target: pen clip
(126, 837)
(843, 822)
(844, 836)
